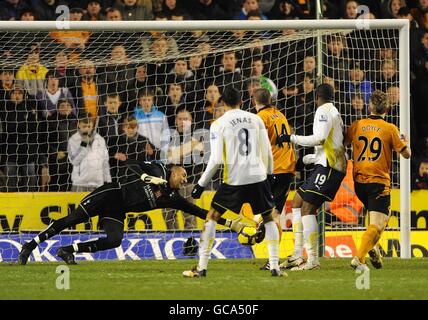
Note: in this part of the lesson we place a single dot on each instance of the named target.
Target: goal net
(152, 94)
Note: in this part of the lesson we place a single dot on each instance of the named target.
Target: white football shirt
(327, 138)
(240, 142)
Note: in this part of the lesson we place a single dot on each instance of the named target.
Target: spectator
(181, 151)
(336, 64)
(299, 107)
(10, 9)
(196, 66)
(135, 9)
(132, 145)
(330, 9)
(181, 74)
(393, 97)
(63, 70)
(62, 124)
(93, 11)
(266, 83)
(204, 114)
(351, 9)
(47, 99)
(163, 48)
(309, 64)
(173, 102)
(109, 127)
(419, 60)
(358, 109)
(256, 51)
(286, 10)
(87, 90)
(391, 7)
(152, 123)
(32, 72)
(7, 80)
(249, 5)
(110, 119)
(388, 76)
(88, 154)
(420, 13)
(404, 13)
(339, 97)
(25, 148)
(254, 15)
(206, 10)
(228, 73)
(136, 84)
(160, 16)
(117, 73)
(27, 15)
(170, 9)
(113, 14)
(419, 65)
(420, 178)
(358, 82)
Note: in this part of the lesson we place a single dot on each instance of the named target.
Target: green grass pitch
(227, 279)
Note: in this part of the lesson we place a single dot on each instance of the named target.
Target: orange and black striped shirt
(373, 140)
(276, 123)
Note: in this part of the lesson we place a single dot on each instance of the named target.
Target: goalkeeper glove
(152, 180)
(197, 191)
(309, 158)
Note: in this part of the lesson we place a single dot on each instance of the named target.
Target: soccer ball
(247, 236)
(250, 236)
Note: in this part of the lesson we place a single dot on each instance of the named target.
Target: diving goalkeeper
(146, 186)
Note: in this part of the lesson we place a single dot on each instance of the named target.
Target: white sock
(310, 235)
(297, 232)
(272, 238)
(205, 245)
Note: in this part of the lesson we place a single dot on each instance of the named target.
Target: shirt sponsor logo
(323, 118)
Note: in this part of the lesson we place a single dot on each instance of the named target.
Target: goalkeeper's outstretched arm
(182, 204)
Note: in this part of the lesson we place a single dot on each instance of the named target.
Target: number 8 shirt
(239, 142)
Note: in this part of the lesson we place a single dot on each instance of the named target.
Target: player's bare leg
(296, 259)
(310, 237)
(205, 245)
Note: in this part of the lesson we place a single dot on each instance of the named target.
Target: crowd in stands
(78, 104)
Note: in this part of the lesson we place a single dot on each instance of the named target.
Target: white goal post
(312, 25)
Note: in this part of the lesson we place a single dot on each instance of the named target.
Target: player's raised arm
(322, 127)
(323, 121)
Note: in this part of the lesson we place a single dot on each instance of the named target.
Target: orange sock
(368, 241)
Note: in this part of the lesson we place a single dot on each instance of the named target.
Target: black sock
(222, 221)
(90, 246)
